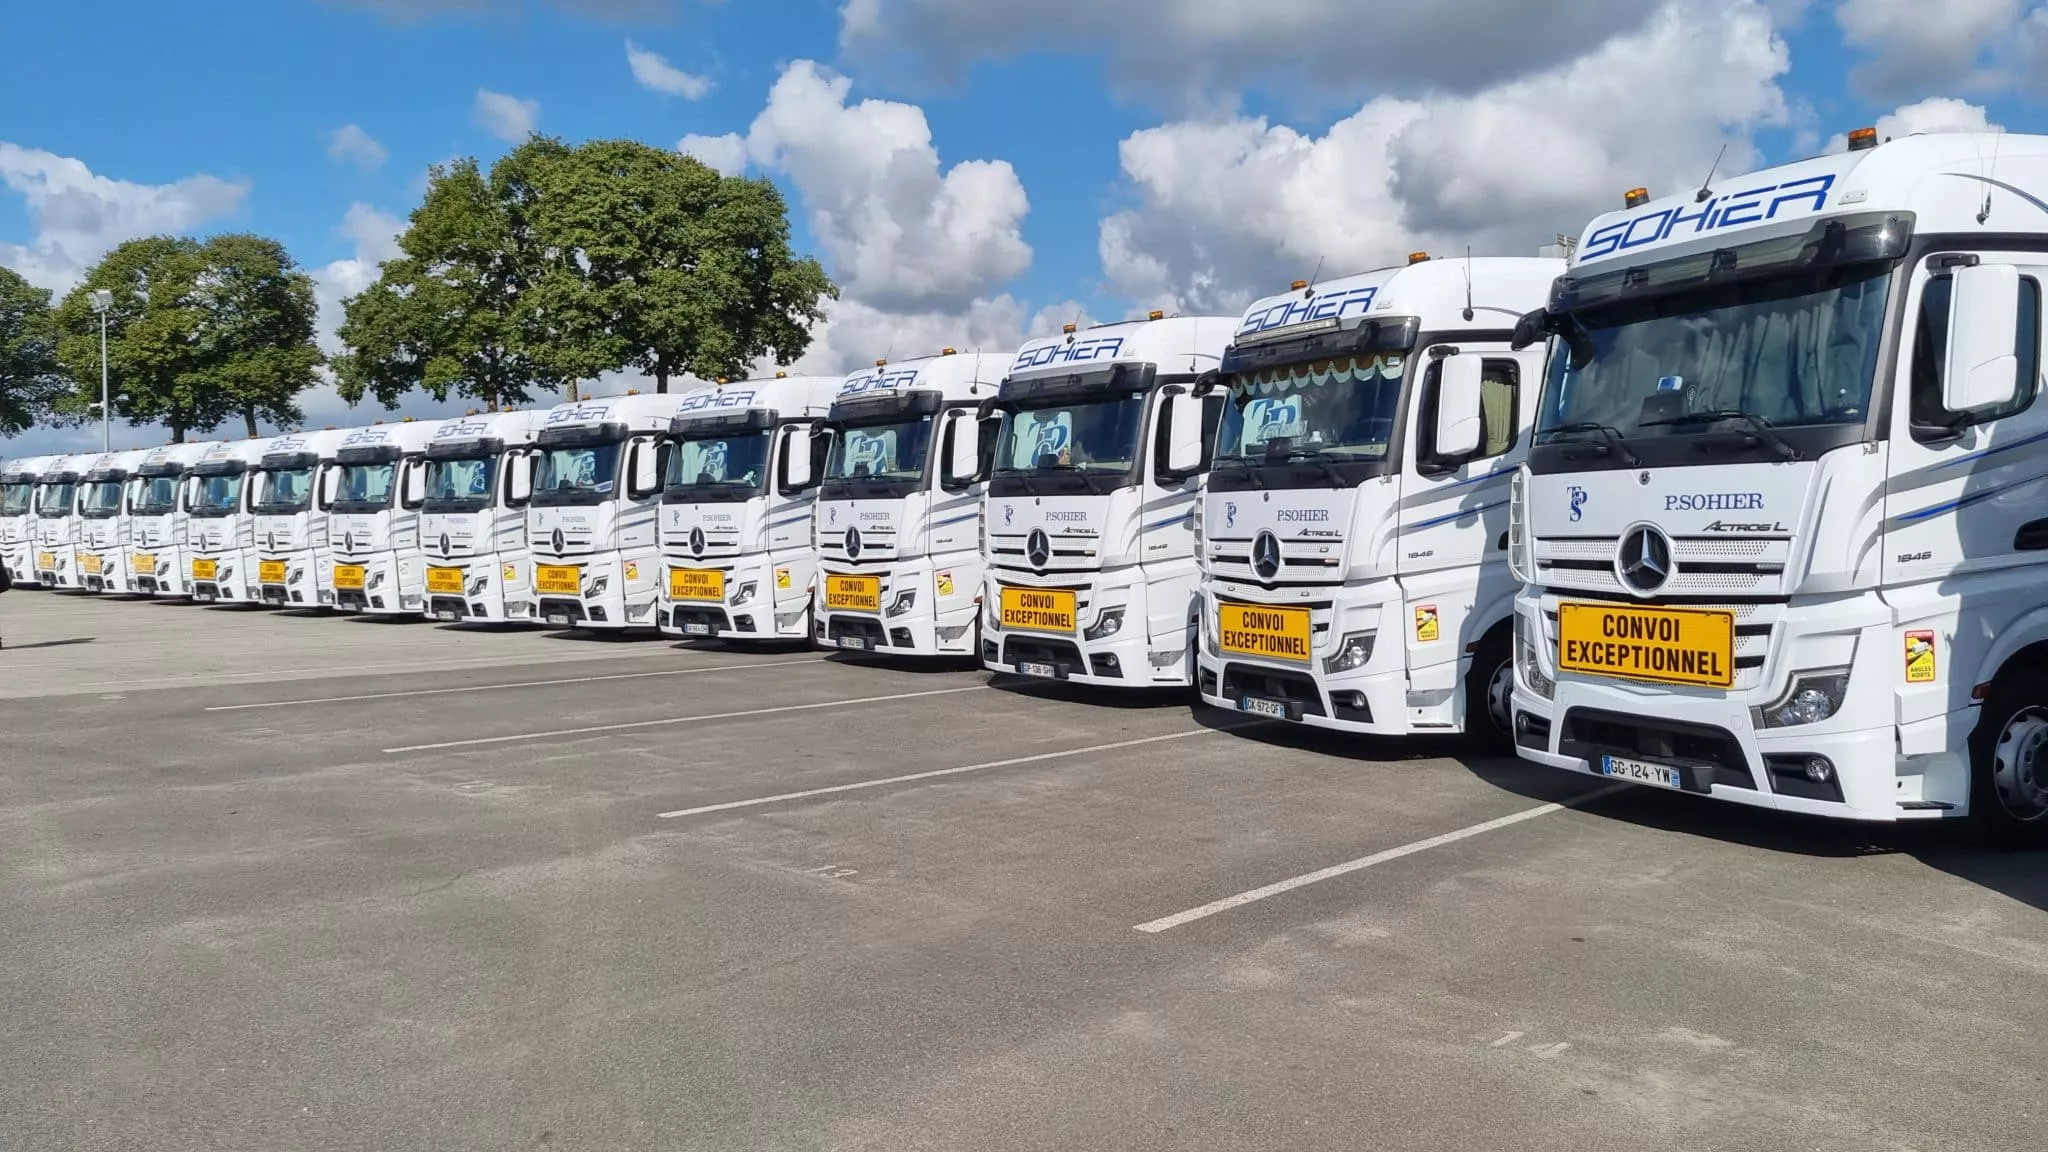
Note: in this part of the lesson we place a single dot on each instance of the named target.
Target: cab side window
(1930, 420)
(1499, 400)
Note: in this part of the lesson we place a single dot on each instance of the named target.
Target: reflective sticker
(632, 571)
(1920, 658)
(782, 579)
(945, 583)
(1425, 623)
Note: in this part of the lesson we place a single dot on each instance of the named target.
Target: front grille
(711, 618)
(351, 601)
(839, 628)
(1296, 689)
(1704, 755)
(1701, 565)
(445, 606)
(1061, 654)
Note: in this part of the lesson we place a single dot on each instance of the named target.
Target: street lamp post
(103, 302)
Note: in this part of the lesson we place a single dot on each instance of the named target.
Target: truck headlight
(991, 617)
(1526, 666)
(904, 602)
(1107, 624)
(1353, 651)
(477, 586)
(297, 575)
(598, 586)
(376, 580)
(1813, 697)
(743, 594)
(1209, 640)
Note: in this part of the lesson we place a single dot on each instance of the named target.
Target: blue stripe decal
(1459, 515)
(1170, 521)
(789, 520)
(1964, 502)
(974, 515)
(1993, 451)
(1501, 474)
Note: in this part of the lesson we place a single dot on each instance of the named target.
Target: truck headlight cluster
(1353, 651)
(904, 602)
(598, 586)
(1526, 667)
(1813, 697)
(376, 580)
(743, 594)
(1107, 624)
(297, 575)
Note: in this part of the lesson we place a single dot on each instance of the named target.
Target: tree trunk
(177, 434)
(249, 418)
(661, 375)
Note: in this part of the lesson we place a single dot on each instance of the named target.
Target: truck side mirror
(991, 441)
(518, 479)
(794, 463)
(643, 471)
(1528, 330)
(962, 465)
(1460, 420)
(414, 492)
(1983, 331)
(329, 485)
(1180, 434)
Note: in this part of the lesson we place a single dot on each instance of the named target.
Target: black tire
(2009, 760)
(1489, 717)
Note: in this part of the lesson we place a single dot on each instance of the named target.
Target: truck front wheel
(1490, 695)
(2009, 759)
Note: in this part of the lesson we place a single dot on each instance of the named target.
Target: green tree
(150, 349)
(443, 317)
(252, 312)
(649, 259)
(31, 377)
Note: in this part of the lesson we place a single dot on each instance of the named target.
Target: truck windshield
(582, 474)
(1087, 446)
(14, 498)
(280, 491)
(718, 467)
(1318, 423)
(463, 485)
(216, 495)
(101, 499)
(156, 495)
(56, 499)
(366, 487)
(1790, 350)
(879, 460)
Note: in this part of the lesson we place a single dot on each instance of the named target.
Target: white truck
(595, 511)
(1354, 521)
(898, 517)
(479, 483)
(1089, 515)
(105, 521)
(1785, 524)
(158, 554)
(18, 479)
(295, 484)
(741, 478)
(373, 524)
(220, 527)
(53, 531)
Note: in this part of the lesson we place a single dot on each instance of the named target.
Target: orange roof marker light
(1635, 197)
(948, 351)
(1068, 328)
(1862, 139)
(1418, 257)
(1156, 314)
(782, 375)
(882, 363)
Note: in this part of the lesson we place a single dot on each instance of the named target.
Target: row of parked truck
(1749, 501)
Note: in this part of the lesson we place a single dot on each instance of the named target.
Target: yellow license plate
(558, 580)
(1664, 645)
(46, 560)
(696, 584)
(206, 569)
(1038, 609)
(1264, 631)
(145, 565)
(270, 571)
(854, 593)
(447, 580)
(90, 565)
(350, 576)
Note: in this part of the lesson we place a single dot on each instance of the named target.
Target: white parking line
(218, 676)
(938, 772)
(597, 728)
(516, 684)
(1363, 862)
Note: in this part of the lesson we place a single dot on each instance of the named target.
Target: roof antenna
(1312, 276)
(1468, 283)
(1984, 213)
(1706, 186)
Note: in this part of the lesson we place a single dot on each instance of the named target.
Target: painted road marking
(517, 684)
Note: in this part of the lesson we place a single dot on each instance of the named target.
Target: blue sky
(971, 170)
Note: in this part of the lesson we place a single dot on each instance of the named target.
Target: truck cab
(1089, 514)
(479, 483)
(17, 514)
(53, 530)
(736, 504)
(105, 521)
(221, 528)
(595, 512)
(1785, 524)
(1354, 522)
(158, 553)
(898, 515)
(292, 500)
(373, 524)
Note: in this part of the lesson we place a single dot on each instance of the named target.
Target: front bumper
(306, 582)
(55, 566)
(616, 592)
(384, 589)
(105, 570)
(493, 590)
(160, 571)
(941, 621)
(1122, 657)
(234, 577)
(764, 600)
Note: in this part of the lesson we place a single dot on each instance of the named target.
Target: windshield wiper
(1609, 434)
(1320, 459)
(1765, 433)
(1251, 472)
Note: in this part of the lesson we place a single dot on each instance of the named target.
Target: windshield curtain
(14, 498)
(1088, 444)
(282, 490)
(1799, 350)
(729, 462)
(585, 473)
(893, 451)
(56, 500)
(1342, 407)
(464, 483)
(366, 487)
(156, 495)
(101, 498)
(217, 494)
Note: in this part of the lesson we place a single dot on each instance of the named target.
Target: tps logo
(1578, 499)
(1230, 514)
(1009, 512)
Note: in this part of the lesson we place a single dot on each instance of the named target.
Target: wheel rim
(2019, 765)
(1500, 697)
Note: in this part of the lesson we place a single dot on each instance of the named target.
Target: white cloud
(1228, 208)
(507, 117)
(374, 235)
(725, 154)
(900, 233)
(658, 75)
(80, 215)
(1916, 45)
(349, 144)
(853, 335)
(1934, 114)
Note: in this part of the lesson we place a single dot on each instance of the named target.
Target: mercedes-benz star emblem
(445, 550)
(1266, 555)
(558, 541)
(697, 541)
(1644, 562)
(348, 542)
(853, 543)
(273, 541)
(1037, 548)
